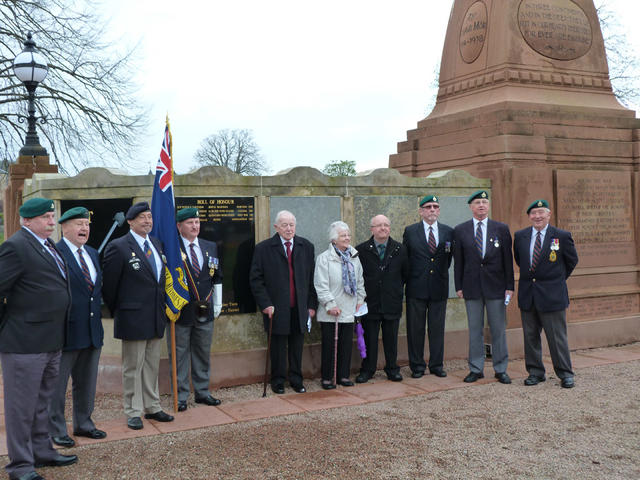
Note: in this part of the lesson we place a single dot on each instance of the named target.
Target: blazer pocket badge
(553, 257)
(134, 261)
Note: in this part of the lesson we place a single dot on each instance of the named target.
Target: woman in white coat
(340, 288)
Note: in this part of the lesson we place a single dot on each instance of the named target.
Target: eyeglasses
(429, 207)
(381, 225)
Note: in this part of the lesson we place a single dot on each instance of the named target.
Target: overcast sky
(314, 81)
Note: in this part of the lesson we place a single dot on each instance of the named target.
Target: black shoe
(417, 374)
(135, 423)
(95, 434)
(59, 461)
(30, 476)
(473, 376)
(503, 378)
(64, 441)
(394, 377)
(299, 388)
(279, 389)
(328, 386)
(438, 372)
(567, 382)
(533, 380)
(182, 406)
(159, 416)
(209, 400)
(363, 377)
(345, 382)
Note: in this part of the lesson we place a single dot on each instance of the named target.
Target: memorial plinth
(526, 101)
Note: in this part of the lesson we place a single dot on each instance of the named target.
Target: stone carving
(473, 32)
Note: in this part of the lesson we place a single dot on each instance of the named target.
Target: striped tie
(151, 257)
(194, 259)
(85, 271)
(432, 241)
(381, 249)
(479, 238)
(537, 248)
(56, 256)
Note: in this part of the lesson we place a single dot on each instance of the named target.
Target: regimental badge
(484, 195)
(134, 261)
(496, 243)
(447, 247)
(552, 256)
(213, 265)
(555, 244)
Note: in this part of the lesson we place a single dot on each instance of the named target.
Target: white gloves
(217, 300)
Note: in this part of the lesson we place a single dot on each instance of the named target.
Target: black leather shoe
(182, 406)
(64, 441)
(30, 476)
(345, 382)
(567, 382)
(279, 389)
(394, 377)
(533, 380)
(299, 388)
(59, 461)
(95, 434)
(209, 400)
(473, 376)
(328, 386)
(159, 416)
(417, 374)
(503, 378)
(135, 423)
(363, 377)
(438, 372)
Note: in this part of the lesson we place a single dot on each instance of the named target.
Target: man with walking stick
(281, 280)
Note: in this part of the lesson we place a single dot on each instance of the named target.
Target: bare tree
(234, 149)
(88, 97)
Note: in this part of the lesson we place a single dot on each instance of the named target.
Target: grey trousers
(82, 366)
(140, 365)
(496, 317)
(555, 329)
(29, 380)
(193, 349)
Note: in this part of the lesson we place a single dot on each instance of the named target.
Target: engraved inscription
(473, 32)
(597, 308)
(595, 206)
(557, 29)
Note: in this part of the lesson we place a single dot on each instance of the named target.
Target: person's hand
(459, 293)
(358, 306)
(335, 311)
(508, 292)
(269, 311)
(312, 312)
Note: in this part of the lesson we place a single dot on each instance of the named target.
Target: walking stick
(335, 354)
(266, 363)
(174, 368)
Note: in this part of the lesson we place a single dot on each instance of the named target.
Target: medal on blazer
(496, 243)
(164, 259)
(213, 265)
(555, 244)
(134, 261)
(552, 256)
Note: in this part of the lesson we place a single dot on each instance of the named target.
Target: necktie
(85, 271)
(151, 257)
(381, 249)
(194, 259)
(56, 256)
(292, 286)
(479, 238)
(537, 248)
(432, 241)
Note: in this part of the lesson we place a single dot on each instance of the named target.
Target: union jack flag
(164, 228)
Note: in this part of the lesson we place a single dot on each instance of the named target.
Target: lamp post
(31, 68)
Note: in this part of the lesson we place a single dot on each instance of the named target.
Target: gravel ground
(489, 431)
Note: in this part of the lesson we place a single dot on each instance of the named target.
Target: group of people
(43, 344)
(291, 285)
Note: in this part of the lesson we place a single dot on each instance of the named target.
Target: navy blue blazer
(483, 277)
(84, 329)
(546, 287)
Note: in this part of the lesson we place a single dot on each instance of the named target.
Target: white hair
(282, 213)
(335, 228)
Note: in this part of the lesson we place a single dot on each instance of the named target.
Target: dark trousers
(371, 325)
(345, 342)
(289, 347)
(430, 314)
(555, 329)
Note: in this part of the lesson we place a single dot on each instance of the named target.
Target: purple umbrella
(360, 337)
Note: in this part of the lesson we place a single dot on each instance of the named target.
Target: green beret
(136, 209)
(429, 199)
(186, 213)
(538, 204)
(75, 212)
(478, 194)
(34, 207)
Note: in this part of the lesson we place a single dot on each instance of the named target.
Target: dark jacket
(203, 282)
(37, 296)
(384, 279)
(269, 279)
(429, 272)
(483, 277)
(85, 319)
(131, 291)
(546, 287)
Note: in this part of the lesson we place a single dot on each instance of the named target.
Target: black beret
(75, 212)
(34, 207)
(429, 199)
(478, 194)
(538, 204)
(136, 209)
(186, 213)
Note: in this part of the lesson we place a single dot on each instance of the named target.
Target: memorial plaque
(557, 29)
(596, 308)
(473, 32)
(230, 223)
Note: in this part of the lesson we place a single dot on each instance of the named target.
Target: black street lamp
(31, 68)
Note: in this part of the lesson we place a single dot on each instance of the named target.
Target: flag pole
(174, 365)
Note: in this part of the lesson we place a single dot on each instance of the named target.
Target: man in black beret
(34, 288)
(194, 327)
(546, 256)
(429, 244)
(133, 289)
(84, 335)
(484, 278)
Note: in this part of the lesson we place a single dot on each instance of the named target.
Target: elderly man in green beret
(34, 286)
(194, 328)
(546, 256)
(84, 334)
